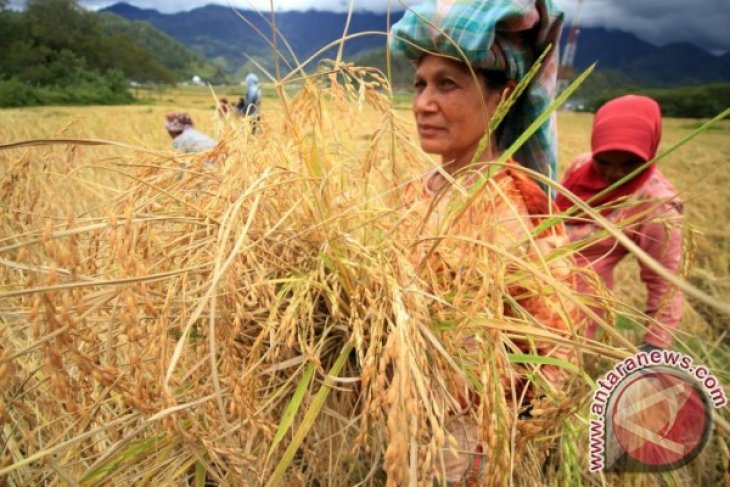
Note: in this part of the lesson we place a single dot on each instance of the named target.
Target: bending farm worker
(185, 138)
(626, 135)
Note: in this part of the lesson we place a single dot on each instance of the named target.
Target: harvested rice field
(255, 315)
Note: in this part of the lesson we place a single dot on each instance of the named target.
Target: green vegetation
(57, 53)
(401, 70)
(602, 81)
(78, 87)
(164, 49)
(686, 102)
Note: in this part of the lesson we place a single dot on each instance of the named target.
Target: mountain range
(230, 39)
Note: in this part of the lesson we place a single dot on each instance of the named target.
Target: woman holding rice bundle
(469, 57)
(626, 134)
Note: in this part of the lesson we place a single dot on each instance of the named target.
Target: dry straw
(261, 317)
(273, 314)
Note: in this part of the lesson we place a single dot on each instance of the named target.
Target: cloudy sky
(704, 22)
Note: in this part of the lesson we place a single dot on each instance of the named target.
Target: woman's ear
(509, 87)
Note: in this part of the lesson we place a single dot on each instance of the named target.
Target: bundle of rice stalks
(275, 313)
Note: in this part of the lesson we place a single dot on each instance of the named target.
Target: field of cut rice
(250, 316)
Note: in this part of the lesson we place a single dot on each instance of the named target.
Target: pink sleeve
(664, 302)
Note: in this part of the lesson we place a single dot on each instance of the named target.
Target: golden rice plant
(263, 315)
(269, 312)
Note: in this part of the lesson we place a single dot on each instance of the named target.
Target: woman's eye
(419, 85)
(447, 84)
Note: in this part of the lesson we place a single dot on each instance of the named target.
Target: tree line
(55, 52)
(704, 101)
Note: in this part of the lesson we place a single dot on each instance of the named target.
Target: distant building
(574, 106)
(198, 81)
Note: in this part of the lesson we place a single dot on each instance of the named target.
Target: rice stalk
(275, 313)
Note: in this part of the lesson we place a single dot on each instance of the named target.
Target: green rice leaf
(287, 418)
(199, 474)
(130, 454)
(310, 416)
(523, 358)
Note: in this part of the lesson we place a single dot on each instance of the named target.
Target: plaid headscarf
(178, 122)
(499, 35)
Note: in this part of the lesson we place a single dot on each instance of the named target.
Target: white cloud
(702, 22)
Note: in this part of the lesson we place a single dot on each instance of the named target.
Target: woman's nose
(424, 101)
(616, 173)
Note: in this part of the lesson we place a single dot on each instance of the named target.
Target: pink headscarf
(629, 123)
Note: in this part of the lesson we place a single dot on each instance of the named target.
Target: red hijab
(629, 123)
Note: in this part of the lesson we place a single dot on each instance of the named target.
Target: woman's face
(451, 107)
(616, 164)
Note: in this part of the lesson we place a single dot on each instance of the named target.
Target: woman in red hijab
(626, 134)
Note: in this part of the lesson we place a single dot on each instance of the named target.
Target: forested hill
(164, 49)
(233, 38)
(677, 64)
(55, 52)
(217, 32)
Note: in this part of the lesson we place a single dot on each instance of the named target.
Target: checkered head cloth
(500, 35)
